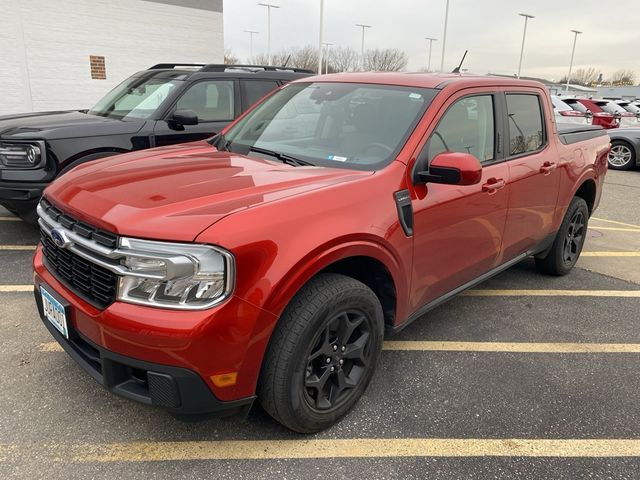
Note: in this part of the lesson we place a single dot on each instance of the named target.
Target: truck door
(458, 229)
(533, 169)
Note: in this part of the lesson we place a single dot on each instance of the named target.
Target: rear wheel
(622, 156)
(569, 241)
(322, 354)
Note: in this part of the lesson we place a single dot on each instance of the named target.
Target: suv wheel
(622, 156)
(569, 241)
(322, 354)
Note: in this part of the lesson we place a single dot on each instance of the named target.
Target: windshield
(136, 97)
(348, 125)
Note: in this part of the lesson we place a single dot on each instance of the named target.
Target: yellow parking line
(349, 448)
(614, 229)
(615, 222)
(517, 347)
(15, 288)
(51, 347)
(610, 254)
(10, 219)
(18, 247)
(552, 293)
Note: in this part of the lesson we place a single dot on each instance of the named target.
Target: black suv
(167, 104)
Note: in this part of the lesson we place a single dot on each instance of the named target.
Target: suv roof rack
(214, 67)
(161, 66)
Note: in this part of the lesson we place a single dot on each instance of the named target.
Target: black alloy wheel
(338, 360)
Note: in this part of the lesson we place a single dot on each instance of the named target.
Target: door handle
(493, 185)
(548, 167)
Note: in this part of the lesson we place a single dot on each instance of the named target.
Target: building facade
(66, 54)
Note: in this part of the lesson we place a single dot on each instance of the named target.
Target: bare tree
(623, 77)
(305, 57)
(278, 59)
(343, 59)
(583, 76)
(230, 58)
(299, 57)
(385, 60)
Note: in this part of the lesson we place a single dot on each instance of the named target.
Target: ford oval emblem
(59, 238)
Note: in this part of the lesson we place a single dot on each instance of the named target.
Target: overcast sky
(490, 29)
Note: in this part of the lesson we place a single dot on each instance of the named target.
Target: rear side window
(526, 131)
(577, 106)
(466, 127)
(254, 90)
(211, 100)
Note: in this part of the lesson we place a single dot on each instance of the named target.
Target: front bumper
(184, 351)
(175, 389)
(21, 196)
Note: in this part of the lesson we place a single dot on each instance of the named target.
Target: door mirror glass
(184, 117)
(453, 168)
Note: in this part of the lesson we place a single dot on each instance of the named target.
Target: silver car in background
(565, 114)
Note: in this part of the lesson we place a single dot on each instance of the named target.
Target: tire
(297, 386)
(567, 246)
(622, 156)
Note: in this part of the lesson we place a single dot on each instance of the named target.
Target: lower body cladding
(171, 369)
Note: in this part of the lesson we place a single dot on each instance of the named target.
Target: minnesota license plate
(54, 312)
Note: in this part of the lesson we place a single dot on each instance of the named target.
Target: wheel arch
(88, 156)
(368, 262)
(588, 192)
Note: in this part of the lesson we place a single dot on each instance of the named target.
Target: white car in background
(565, 114)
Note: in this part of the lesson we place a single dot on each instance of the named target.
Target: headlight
(21, 155)
(172, 275)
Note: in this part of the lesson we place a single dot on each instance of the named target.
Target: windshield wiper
(283, 157)
(220, 142)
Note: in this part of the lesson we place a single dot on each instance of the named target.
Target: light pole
(326, 62)
(251, 34)
(362, 44)
(444, 35)
(269, 7)
(320, 40)
(431, 40)
(573, 52)
(524, 36)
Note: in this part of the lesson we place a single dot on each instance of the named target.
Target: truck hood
(174, 193)
(68, 124)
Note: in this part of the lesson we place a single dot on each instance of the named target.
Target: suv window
(254, 90)
(525, 123)
(468, 126)
(211, 100)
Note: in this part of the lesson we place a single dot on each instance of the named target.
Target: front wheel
(569, 240)
(322, 354)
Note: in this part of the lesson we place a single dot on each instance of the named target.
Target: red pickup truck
(271, 261)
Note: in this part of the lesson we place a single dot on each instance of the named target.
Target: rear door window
(526, 126)
(254, 90)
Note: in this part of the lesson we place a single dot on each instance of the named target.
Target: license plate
(54, 312)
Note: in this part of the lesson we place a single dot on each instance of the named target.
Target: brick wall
(45, 47)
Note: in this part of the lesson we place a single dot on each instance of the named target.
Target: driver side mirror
(183, 117)
(453, 168)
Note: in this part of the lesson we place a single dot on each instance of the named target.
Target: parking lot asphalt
(527, 376)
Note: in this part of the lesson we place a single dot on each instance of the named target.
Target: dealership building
(68, 54)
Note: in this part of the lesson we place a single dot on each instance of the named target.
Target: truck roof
(425, 80)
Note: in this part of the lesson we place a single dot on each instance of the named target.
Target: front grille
(87, 279)
(90, 281)
(87, 231)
